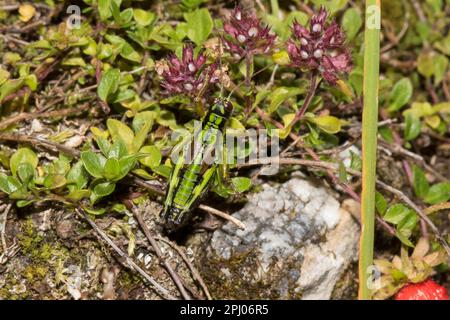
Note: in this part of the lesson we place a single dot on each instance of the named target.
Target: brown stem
(159, 254)
(51, 114)
(129, 262)
(189, 264)
(308, 99)
(248, 83)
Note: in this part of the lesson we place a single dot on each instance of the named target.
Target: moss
(241, 276)
(44, 257)
(346, 288)
(128, 279)
(36, 247)
(33, 273)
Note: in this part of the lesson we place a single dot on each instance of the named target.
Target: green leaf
(143, 174)
(281, 58)
(24, 203)
(95, 212)
(4, 183)
(329, 124)
(438, 193)
(282, 94)
(287, 121)
(404, 239)
(162, 170)
(342, 173)
(143, 118)
(380, 203)
(119, 208)
(191, 4)
(440, 68)
(126, 50)
(54, 181)
(31, 81)
(115, 10)
(408, 223)
(400, 94)
(9, 184)
(282, 26)
(431, 64)
(111, 169)
(120, 131)
(126, 16)
(154, 158)
(25, 171)
(74, 62)
(352, 22)
(386, 134)
(167, 119)
(104, 9)
(93, 163)
(356, 161)
(420, 109)
(142, 17)
(4, 75)
(241, 184)
(77, 176)
(102, 190)
(412, 127)
(117, 150)
(396, 213)
(235, 124)
(126, 164)
(421, 185)
(77, 194)
(109, 84)
(331, 5)
(20, 193)
(23, 155)
(200, 25)
(141, 136)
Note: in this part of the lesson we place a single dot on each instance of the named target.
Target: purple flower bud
(321, 48)
(187, 75)
(245, 35)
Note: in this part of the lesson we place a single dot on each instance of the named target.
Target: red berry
(426, 290)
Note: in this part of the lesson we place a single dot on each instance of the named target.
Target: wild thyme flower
(188, 75)
(321, 48)
(246, 35)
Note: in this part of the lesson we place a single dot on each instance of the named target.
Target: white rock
(297, 233)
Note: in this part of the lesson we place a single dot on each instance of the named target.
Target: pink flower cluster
(189, 74)
(246, 35)
(321, 48)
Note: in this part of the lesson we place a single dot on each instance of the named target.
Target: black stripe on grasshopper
(188, 183)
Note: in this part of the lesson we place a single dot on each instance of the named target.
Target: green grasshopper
(189, 183)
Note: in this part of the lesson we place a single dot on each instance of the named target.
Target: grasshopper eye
(228, 107)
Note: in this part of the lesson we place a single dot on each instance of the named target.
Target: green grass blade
(369, 144)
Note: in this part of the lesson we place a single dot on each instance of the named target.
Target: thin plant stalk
(248, 83)
(275, 8)
(369, 145)
(308, 99)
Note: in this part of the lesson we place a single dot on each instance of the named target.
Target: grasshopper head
(222, 107)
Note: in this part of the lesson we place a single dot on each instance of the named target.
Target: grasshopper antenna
(243, 81)
(220, 63)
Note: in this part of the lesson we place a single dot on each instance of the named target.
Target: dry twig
(175, 277)
(159, 288)
(191, 267)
